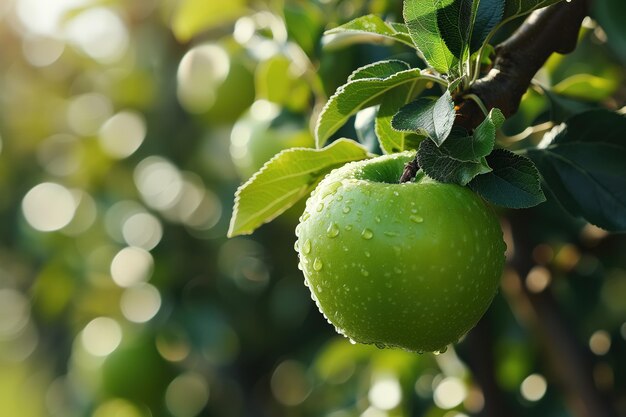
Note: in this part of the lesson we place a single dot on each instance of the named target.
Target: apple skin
(412, 265)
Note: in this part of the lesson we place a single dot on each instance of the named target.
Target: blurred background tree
(126, 126)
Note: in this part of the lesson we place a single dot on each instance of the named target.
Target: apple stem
(410, 170)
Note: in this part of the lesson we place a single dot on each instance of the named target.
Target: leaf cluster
(405, 113)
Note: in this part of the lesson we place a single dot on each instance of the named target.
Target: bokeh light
(48, 207)
(101, 336)
(449, 393)
(200, 72)
(385, 392)
(534, 387)
(142, 230)
(131, 266)
(600, 342)
(187, 395)
(140, 303)
(289, 383)
(122, 134)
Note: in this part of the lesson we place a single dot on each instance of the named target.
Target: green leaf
(440, 164)
(420, 17)
(285, 179)
(516, 8)
(484, 136)
(428, 116)
(514, 181)
(488, 15)
(583, 164)
(371, 26)
(380, 69)
(195, 16)
(587, 87)
(454, 22)
(365, 88)
(391, 140)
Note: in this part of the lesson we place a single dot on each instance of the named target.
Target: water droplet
(295, 245)
(348, 227)
(333, 230)
(367, 254)
(414, 211)
(380, 345)
(306, 283)
(346, 209)
(367, 234)
(390, 234)
(319, 288)
(364, 272)
(396, 193)
(305, 216)
(416, 219)
(300, 267)
(377, 219)
(397, 270)
(339, 198)
(352, 342)
(332, 189)
(317, 264)
(320, 207)
(306, 248)
(443, 349)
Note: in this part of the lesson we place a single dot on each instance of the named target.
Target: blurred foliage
(125, 129)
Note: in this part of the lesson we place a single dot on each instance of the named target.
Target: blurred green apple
(263, 131)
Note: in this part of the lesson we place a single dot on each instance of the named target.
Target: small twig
(410, 170)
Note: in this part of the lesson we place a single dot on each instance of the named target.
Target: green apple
(411, 265)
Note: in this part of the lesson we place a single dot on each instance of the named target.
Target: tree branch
(549, 30)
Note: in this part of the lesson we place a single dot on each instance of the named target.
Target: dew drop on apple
(380, 345)
(352, 342)
(348, 227)
(346, 209)
(305, 216)
(367, 234)
(364, 272)
(319, 288)
(317, 264)
(416, 219)
(306, 247)
(320, 207)
(333, 230)
(377, 219)
(367, 254)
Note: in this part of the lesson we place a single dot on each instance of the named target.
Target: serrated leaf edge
(247, 230)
